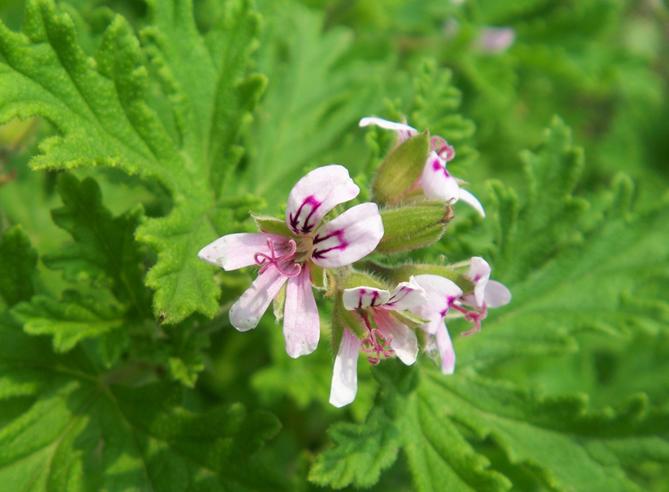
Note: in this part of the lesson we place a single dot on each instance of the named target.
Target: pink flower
(436, 181)
(287, 259)
(385, 334)
(446, 299)
(495, 40)
(486, 293)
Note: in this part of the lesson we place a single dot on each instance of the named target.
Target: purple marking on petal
(320, 253)
(295, 219)
(340, 245)
(361, 294)
(437, 167)
(398, 296)
(375, 296)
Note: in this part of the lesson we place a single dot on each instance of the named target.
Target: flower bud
(413, 226)
(400, 170)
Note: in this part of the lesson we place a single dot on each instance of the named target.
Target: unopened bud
(399, 172)
(413, 226)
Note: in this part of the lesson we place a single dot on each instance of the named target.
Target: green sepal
(400, 169)
(357, 278)
(341, 319)
(319, 280)
(413, 227)
(410, 320)
(278, 304)
(271, 225)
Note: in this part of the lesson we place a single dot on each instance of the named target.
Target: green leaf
(438, 456)
(81, 431)
(318, 89)
(618, 259)
(101, 111)
(573, 448)
(73, 318)
(17, 265)
(104, 252)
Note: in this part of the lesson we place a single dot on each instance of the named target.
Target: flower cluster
(314, 248)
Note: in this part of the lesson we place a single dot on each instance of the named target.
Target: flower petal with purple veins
(238, 250)
(349, 237)
(436, 181)
(364, 297)
(407, 295)
(345, 372)
(301, 324)
(318, 192)
(403, 340)
(249, 308)
(439, 292)
(403, 131)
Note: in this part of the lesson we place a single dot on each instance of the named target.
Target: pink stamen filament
(376, 345)
(443, 149)
(473, 315)
(264, 261)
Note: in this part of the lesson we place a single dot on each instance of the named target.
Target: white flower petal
(249, 308)
(403, 340)
(472, 201)
(301, 324)
(437, 182)
(407, 295)
(403, 131)
(349, 237)
(479, 273)
(318, 192)
(496, 294)
(446, 350)
(364, 297)
(345, 371)
(238, 250)
(439, 292)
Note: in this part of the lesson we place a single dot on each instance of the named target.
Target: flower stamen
(280, 262)
(473, 315)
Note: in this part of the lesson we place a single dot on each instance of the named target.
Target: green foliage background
(137, 132)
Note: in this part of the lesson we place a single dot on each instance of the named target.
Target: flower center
(376, 345)
(472, 314)
(284, 263)
(443, 149)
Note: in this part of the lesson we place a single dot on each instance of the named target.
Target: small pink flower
(386, 335)
(286, 259)
(495, 40)
(446, 299)
(487, 293)
(436, 181)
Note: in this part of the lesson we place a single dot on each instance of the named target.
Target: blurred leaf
(79, 432)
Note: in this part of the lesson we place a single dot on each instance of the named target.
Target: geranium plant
(298, 245)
